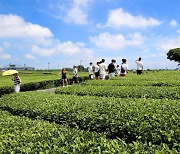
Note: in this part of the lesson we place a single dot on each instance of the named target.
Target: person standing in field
(102, 69)
(118, 69)
(112, 68)
(75, 75)
(64, 77)
(139, 66)
(90, 70)
(96, 70)
(17, 82)
(124, 68)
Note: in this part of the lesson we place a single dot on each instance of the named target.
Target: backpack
(122, 70)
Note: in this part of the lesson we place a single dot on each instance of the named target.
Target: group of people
(65, 78)
(101, 70)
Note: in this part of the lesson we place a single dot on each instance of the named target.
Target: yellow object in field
(9, 72)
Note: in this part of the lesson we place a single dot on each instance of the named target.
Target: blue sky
(65, 32)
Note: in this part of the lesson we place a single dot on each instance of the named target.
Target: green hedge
(37, 85)
(123, 91)
(127, 82)
(156, 76)
(22, 135)
(144, 120)
(31, 86)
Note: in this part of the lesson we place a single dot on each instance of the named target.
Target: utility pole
(80, 62)
(48, 65)
(24, 66)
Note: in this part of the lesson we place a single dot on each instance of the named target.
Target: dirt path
(51, 90)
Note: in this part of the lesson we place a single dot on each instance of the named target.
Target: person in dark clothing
(112, 68)
(64, 77)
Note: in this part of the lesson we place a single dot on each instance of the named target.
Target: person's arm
(137, 61)
(66, 74)
(126, 70)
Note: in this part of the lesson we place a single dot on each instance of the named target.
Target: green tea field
(34, 76)
(131, 114)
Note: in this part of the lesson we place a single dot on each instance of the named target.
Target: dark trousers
(139, 72)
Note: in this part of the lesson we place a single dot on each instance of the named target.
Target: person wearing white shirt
(96, 70)
(118, 69)
(139, 66)
(90, 70)
(124, 68)
(75, 75)
(102, 69)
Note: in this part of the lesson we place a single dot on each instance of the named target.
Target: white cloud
(13, 26)
(154, 55)
(40, 39)
(67, 48)
(81, 3)
(43, 51)
(77, 16)
(70, 48)
(118, 18)
(136, 39)
(173, 23)
(1, 50)
(4, 55)
(166, 44)
(77, 13)
(30, 56)
(178, 31)
(6, 44)
(118, 41)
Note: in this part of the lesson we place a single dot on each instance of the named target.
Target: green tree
(174, 54)
(81, 68)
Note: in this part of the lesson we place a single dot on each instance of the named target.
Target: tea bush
(133, 114)
(123, 91)
(23, 135)
(146, 120)
(127, 82)
(37, 85)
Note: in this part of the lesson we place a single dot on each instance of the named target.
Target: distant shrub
(47, 73)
